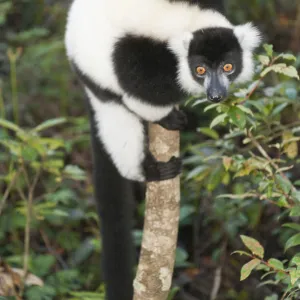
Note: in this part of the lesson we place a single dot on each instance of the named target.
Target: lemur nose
(215, 98)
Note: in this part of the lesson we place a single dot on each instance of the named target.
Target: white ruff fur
(146, 111)
(122, 135)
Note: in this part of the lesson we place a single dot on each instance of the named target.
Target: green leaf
(295, 211)
(197, 172)
(283, 183)
(265, 60)
(87, 296)
(181, 257)
(292, 242)
(272, 297)
(209, 132)
(253, 245)
(219, 119)
(276, 68)
(74, 172)
(241, 253)
(269, 49)
(186, 211)
(237, 116)
(248, 267)
(227, 161)
(287, 56)
(42, 264)
(50, 123)
(296, 259)
(276, 264)
(290, 71)
(211, 106)
(279, 108)
(292, 225)
(281, 68)
(245, 109)
(295, 275)
(10, 125)
(29, 154)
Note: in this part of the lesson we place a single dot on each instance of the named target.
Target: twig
(51, 250)
(7, 192)
(266, 156)
(27, 229)
(218, 273)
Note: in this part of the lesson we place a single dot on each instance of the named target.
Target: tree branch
(155, 269)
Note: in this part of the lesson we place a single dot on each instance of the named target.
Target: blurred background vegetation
(48, 221)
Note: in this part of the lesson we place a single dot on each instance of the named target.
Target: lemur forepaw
(158, 170)
(175, 120)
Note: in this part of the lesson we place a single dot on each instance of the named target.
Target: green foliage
(44, 192)
(253, 165)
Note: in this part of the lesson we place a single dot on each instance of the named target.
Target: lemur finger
(157, 171)
(175, 120)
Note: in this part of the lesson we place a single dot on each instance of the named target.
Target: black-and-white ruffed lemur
(138, 59)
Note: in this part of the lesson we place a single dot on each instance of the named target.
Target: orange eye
(228, 67)
(200, 70)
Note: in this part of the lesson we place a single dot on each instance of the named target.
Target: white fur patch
(248, 68)
(161, 19)
(122, 135)
(89, 40)
(179, 45)
(249, 38)
(146, 111)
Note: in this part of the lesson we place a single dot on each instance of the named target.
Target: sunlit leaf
(269, 49)
(50, 123)
(9, 125)
(209, 132)
(265, 60)
(288, 56)
(219, 119)
(276, 264)
(248, 267)
(253, 245)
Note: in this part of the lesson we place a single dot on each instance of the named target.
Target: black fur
(146, 69)
(213, 47)
(175, 120)
(102, 94)
(158, 170)
(114, 198)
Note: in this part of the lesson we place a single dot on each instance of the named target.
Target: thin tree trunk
(155, 269)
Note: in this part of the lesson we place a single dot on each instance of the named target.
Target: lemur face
(215, 59)
(212, 58)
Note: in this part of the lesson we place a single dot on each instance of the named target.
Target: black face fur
(213, 48)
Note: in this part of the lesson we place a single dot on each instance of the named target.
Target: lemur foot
(175, 120)
(158, 170)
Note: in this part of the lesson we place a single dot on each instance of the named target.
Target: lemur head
(212, 58)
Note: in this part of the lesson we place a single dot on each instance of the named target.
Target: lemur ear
(180, 43)
(248, 35)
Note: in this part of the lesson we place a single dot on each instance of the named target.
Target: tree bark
(155, 269)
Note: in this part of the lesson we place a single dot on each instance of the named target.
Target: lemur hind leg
(157, 170)
(123, 136)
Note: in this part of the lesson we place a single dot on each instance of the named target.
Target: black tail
(114, 196)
